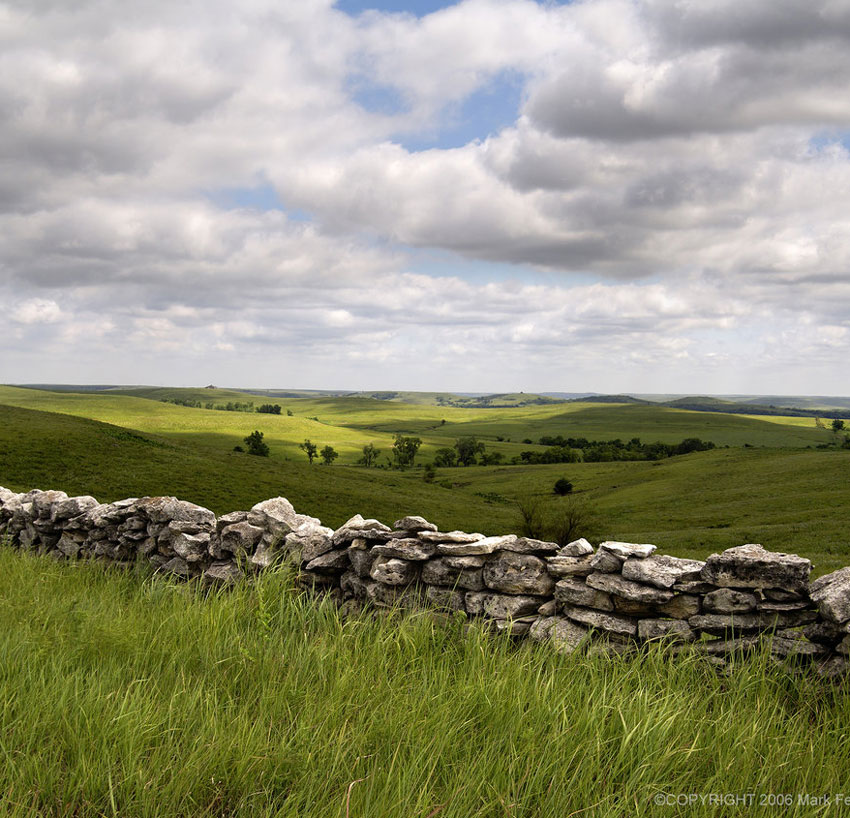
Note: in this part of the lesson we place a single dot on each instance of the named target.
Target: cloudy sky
(488, 195)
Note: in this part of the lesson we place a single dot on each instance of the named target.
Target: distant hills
(780, 405)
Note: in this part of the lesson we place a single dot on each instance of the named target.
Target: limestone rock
(407, 549)
(441, 572)
(611, 623)
(501, 606)
(722, 624)
(71, 507)
(625, 588)
(526, 545)
(361, 561)
(470, 561)
(354, 585)
(624, 550)
(390, 596)
(661, 571)
(575, 592)
(359, 528)
(604, 562)
(823, 632)
(414, 524)
(729, 601)
(191, 547)
(836, 667)
(487, 545)
(177, 566)
(549, 608)
(831, 592)
(330, 562)
(564, 635)
(515, 627)
(308, 542)
(445, 598)
(696, 587)
(455, 537)
(750, 566)
(393, 571)
(674, 629)
(224, 572)
(518, 573)
(235, 539)
(682, 606)
(576, 548)
(559, 566)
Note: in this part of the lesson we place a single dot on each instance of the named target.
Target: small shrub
(562, 487)
(255, 444)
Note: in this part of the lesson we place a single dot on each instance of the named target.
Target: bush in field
(562, 487)
(310, 449)
(404, 450)
(445, 457)
(370, 455)
(269, 409)
(255, 444)
(329, 454)
(467, 450)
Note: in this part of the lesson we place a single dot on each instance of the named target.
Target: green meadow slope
(793, 499)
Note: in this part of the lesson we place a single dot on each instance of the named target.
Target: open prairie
(764, 483)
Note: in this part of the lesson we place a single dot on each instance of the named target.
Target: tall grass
(124, 695)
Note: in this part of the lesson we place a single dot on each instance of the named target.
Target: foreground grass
(123, 695)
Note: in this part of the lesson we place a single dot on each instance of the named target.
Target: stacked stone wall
(611, 599)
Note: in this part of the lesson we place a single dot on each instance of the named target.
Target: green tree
(562, 486)
(467, 450)
(837, 425)
(404, 450)
(255, 444)
(310, 449)
(269, 409)
(445, 458)
(329, 454)
(370, 455)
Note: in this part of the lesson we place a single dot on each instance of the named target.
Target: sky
(480, 196)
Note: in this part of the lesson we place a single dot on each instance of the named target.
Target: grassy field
(128, 697)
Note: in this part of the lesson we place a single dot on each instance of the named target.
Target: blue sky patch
(418, 7)
(261, 197)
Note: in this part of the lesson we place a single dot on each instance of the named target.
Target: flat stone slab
(831, 593)
(359, 528)
(414, 523)
(575, 592)
(458, 537)
(751, 566)
(486, 545)
(625, 588)
(501, 606)
(672, 629)
(624, 550)
(526, 545)
(661, 571)
(729, 601)
(330, 561)
(444, 598)
(440, 572)
(720, 624)
(682, 606)
(517, 573)
(393, 571)
(408, 549)
(559, 566)
(606, 563)
(611, 623)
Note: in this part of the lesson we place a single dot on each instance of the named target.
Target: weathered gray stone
(414, 523)
(661, 571)
(450, 599)
(673, 629)
(308, 542)
(831, 593)
(276, 515)
(781, 595)
(823, 632)
(354, 585)
(729, 601)
(629, 607)
(518, 573)
(359, 528)
(393, 571)
(69, 545)
(604, 562)
(836, 667)
(488, 545)
(575, 592)
(697, 587)
(561, 633)
(720, 624)
(515, 627)
(682, 606)
(440, 572)
(330, 562)
(526, 545)
(782, 647)
(549, 608)
(843, 647)
(456, 537)
(191, 547)
(71, 507)
(471, 561)
(361, 561)
(231, 518)
(501, 606)
(235, 539)
(799, 605)
(390, 596)
(750, 566)
(611, 623)
(624, 550)
(576, 548)
(559, 566)
(408, 549)
(177, 566)
(625, 588)
(224, 572)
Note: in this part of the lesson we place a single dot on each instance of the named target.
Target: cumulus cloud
(676, 175)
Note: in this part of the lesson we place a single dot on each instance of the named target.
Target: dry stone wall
(611, 599)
